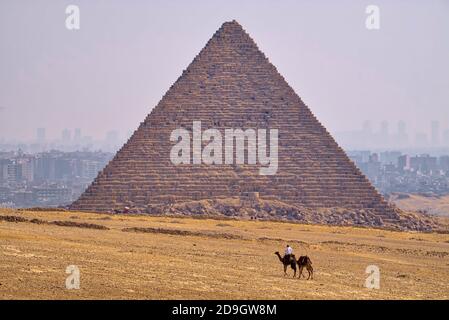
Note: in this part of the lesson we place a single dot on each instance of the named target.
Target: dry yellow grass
(214, 259)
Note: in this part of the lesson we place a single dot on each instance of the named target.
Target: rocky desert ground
(161, 257)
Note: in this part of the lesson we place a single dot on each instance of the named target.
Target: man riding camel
(288, 252)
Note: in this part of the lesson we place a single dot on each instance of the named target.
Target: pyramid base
(251, 207)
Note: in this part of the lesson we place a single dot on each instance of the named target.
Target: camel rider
(288, 252)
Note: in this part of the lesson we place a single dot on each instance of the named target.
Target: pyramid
(231, 84)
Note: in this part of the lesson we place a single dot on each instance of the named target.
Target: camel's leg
(300, 272)
(285, 270)
(310, 271)
(294, 274)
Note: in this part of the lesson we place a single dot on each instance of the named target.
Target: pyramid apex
(233, 30)
(231, 24)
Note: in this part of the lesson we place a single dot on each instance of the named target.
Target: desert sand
(159, 257)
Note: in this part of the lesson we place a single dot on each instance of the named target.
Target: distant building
(373, 167)
(63, 169)
(404, 162)
(40, 135)
(389, 168)
(3, 169)
(13, 172)
(365, 155)
(390, 157)
(424, 163)
(91, 168)
(23, 198)
(77, 135)
(47, 179)
(27, 169)
(384, 135)
(52, 195)
(5, 194)
(112, 141)
(443, 163)
(446, 138)
(421, 140)
(402, 137)
(45, 167)
(66, 136)
(359, 157)
(366, 128)
(435, 133)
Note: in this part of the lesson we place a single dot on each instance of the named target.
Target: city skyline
(383, 135)
(110, 75)
(388, 135)
(57, 178)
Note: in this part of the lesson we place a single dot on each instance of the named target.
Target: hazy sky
(114, 70)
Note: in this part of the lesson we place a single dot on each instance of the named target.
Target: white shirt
(288, 250)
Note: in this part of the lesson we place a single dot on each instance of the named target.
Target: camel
(304, 261)
(287, 262)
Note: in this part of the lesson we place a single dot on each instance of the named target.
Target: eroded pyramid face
(230, 85)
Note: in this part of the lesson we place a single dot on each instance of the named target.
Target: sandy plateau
(155, 257)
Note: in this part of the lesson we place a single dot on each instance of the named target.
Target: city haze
(107, 76)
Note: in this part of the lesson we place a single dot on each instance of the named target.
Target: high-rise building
(402, 127)
(66, 136)
(424, 163)
(13, 172)
(402, 137)
(446, 138)
(435, 133)
(45, 167)
(366, 128)
(384, 134)
(4, 163)
(63, 169)
(404, 162)
(77, 135)
(444, 163)
(40, 135)
(384, 128)
(373, 167)
(27, 167)
(421, 140)
(389, 157)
